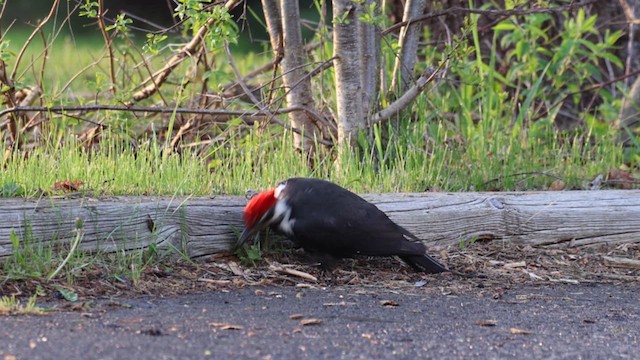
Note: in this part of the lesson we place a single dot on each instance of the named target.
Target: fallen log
(202, 226)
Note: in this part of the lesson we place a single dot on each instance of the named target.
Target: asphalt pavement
(551, 321)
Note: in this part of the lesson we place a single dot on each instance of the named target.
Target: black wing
(339, 222)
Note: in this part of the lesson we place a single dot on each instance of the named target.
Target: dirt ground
(487, 268)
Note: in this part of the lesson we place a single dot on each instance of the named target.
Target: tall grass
(408, 156)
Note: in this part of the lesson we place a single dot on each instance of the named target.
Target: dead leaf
(305, 286)
(520, 331)
(341, 303)
(215, 281)
(389, 303)
(621, 262)
(620, 179)
(235, 268)
(293, 272)
(533, 275)
(564, 280)
(557, 185)
(369, 336)
(311, 321)
(487, 322)
(67, 185)
(225, 326)
(131, 320)
(513, 265)
(296, 316)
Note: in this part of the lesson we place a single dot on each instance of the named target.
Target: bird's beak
(250, 232)
(246, 235)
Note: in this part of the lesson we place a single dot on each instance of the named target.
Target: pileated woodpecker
(332, 222)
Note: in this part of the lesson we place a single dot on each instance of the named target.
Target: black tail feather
(424, 263)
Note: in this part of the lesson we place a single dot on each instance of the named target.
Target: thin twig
(263, 108)
(108, 43)
(502, 13)
(631, 21)
(35, 31)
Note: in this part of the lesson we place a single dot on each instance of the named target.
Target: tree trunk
(408, 41)
(271, 10)
(204, 226)
(369, 59)
(296, 80)
(350, 112)
(629, 121)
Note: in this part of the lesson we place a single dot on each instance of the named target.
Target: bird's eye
(249, 194)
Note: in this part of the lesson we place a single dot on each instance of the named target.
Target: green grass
(394, 162)
(115, 169)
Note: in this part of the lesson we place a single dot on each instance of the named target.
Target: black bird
(331, 222)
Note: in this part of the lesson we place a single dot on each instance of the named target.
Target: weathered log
(201, 226)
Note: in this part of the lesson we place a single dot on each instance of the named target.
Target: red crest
(258, 206)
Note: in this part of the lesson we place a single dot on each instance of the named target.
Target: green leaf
(67, 294)
(505, 26)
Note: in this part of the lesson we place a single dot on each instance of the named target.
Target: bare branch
(35, 31)
(108, 43)
(147, 109)
(408, 40)
(631, 21)
(403, 101)
(263, 108)
(160, 77)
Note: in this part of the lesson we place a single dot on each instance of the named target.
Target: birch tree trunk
(369, 41)
(283, 22)
(271, 10)
(408, 40)
(630, 115)
(349, 104)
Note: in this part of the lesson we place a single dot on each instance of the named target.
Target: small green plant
(89, 9)
(29, 258)
(249, 255)
(464, 243)
(153, 43)
(120, 25)
(9, 305)
(12, 189)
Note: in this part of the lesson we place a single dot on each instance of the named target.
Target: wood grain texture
(203, 226)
